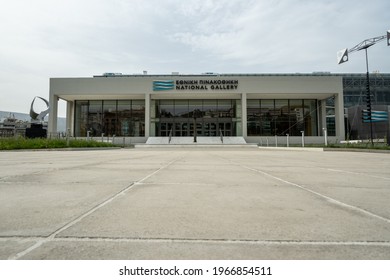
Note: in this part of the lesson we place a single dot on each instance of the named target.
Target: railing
(221, 135)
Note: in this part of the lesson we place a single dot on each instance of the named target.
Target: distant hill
(61, 122)
(19, 116)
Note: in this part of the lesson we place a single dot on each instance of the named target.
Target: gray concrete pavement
(208, 203)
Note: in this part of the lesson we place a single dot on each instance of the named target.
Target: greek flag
(376, 116)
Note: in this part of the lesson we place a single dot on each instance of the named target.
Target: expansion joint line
(89, 212)
(327, 198)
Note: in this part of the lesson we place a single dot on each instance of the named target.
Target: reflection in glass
(210, 109)
(310, 111)
(81, 118)
(95, 125)
(208, 113)
(267, 121)
(296, 117)
(166, 109)
(181, 108)
(268, 117)
(225, 109)
(111, 117)
(124, 117)
(253, 117)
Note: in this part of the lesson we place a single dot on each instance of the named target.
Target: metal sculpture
(41, 116)
(342, 56)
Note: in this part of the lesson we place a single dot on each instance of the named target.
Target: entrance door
(164, 128)
(208, 127)
(198, 127)
(225, 127)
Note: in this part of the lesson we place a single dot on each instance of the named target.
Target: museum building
(251, 106)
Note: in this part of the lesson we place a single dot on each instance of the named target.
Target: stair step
(201, 140)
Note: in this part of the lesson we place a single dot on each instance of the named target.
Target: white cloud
(279, 34)
(47, 38)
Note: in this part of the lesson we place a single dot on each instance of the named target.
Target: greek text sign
(193, 85)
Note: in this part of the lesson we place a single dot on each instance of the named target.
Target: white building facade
(252, 106)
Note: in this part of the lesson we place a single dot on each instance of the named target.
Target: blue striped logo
(376, 116)
(163, 85)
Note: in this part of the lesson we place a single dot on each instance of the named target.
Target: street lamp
(342, 56)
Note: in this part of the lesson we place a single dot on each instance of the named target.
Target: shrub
(43, 143)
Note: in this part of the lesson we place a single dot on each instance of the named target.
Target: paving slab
(264, 211)
(194, 204)
(39, 203)
(9, 247)
(162, 250)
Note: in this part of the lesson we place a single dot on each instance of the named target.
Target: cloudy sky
(81, 38)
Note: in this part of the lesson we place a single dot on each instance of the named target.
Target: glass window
(268, 117)
(267, 111)
(281, 117)
(181, 108)
(195, 108)
(124, 117)
(296, 114)
(138, 109)
(253, 117)
(166, 109)
(109, 117)
(225, 109)
(95, 117)
(81, 118)
(137, 125)
(310, 118)
(210, 109)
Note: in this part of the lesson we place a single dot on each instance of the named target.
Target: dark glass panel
(95, 117)
(124, 117)
(81, 118)
(109, 117)
(281, 117)
(210, 109)
(137, 125)
(166, 109)
(267, 117)
(195, 108)
(181, 108)
(296, 117)
(225, 109)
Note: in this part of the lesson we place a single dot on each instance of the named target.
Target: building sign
(163, 85)
(206, 85)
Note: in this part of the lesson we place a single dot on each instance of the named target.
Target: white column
(339, 116)
(322, 116)
(244, 115)
(53, 114)
(70, 116)
(147, 114)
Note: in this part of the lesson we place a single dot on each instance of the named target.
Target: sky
(41, 39)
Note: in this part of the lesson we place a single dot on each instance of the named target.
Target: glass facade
(111, 117)
(355, 89)
(207, 117)
(265, 117)
(268, 117)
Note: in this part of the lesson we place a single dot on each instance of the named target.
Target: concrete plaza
(194, 203)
